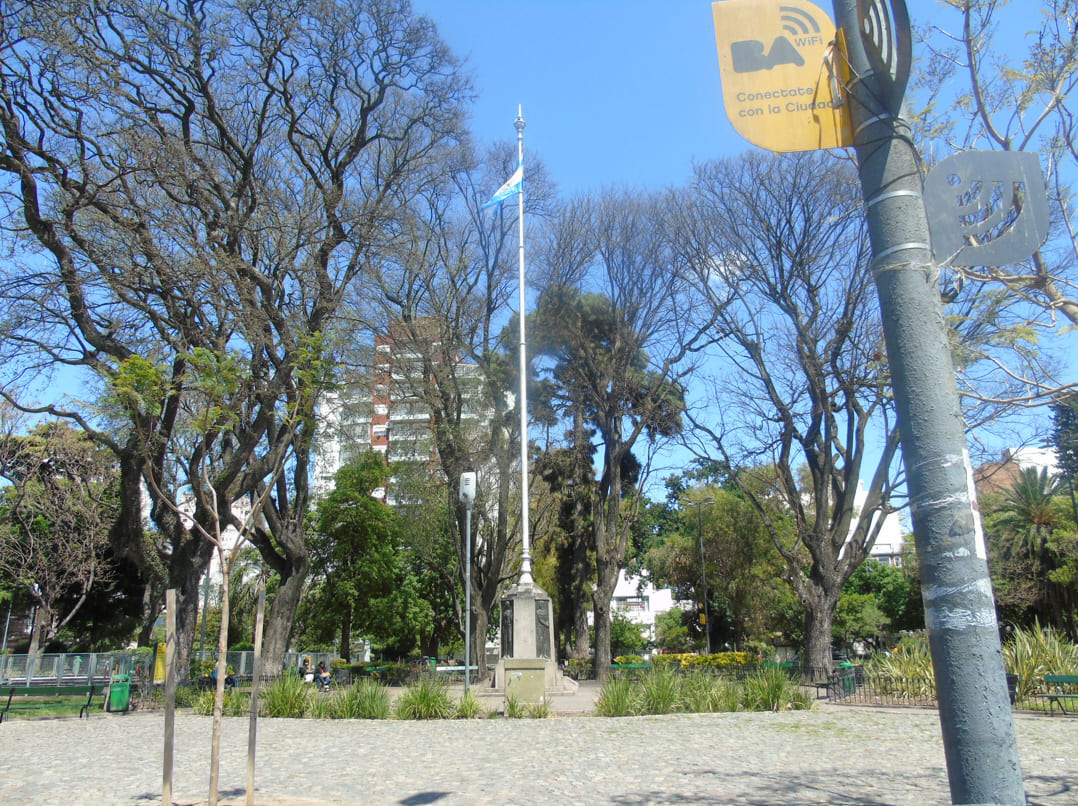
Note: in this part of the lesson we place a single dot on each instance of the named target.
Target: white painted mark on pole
(978, 532)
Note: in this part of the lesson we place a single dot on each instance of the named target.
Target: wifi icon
(798, 22)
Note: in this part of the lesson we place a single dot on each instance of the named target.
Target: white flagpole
(526, 557)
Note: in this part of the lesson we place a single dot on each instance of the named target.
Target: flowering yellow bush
(713, 661)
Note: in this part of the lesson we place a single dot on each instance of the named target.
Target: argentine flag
(514, 185)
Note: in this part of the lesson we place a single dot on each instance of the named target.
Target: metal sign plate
(986, 208)
(782, 74)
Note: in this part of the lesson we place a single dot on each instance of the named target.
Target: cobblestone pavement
(830, 756)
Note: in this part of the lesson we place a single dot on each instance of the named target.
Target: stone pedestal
(528, 645)
(525, 679)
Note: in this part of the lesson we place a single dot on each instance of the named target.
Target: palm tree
(1029, 516)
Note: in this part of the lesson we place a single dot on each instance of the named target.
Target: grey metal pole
(975, 712)
(467, 597)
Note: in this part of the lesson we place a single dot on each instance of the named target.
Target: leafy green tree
(1034, 552)
(672, 630)
(357, 553)
(561, 497)
(746, 595)
(626, 636)
(616, 360)
(1065, 442)
(55, 515)
(858, 617)
(895, 591)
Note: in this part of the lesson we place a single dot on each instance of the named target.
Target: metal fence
(71, 668)
(97, 667)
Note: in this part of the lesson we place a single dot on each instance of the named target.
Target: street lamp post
(467, 496)
(703, 568)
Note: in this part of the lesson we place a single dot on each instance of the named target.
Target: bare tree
(972, 91)
(191, 186)
(799, 383)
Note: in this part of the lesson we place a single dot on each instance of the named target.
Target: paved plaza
(834, 755)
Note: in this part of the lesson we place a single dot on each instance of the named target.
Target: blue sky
(616, 92)
(613, 92)
(623, 92)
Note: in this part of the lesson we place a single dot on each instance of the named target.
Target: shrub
(659, 692)
(366, 699)
(538, 710)
(514, 709)
(236, 703)
(427, 698)
(705, 693)
(285, 697)
(905, 672)
(322, 706)
(627, 659)
(186, 696)
(1033, 653)
(581, 669)
(716, 660)
(616, 698)
(770, 689)
(469, 706)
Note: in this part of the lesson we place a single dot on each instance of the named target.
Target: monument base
(528, 660)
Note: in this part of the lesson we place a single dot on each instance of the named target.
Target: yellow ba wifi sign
(783, 74)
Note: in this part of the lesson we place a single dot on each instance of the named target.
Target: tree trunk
(152, 604)
(819, 614)
(581, 573)
(39, 631)
(346, 633)
(187, 599)
(292, 568)
(601, 606)
(581, 566)
(479, 642)
(279, 620)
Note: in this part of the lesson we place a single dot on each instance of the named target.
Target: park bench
(1061, 688)
(30, 696)
(841, 683)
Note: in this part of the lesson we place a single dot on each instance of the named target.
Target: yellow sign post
(783, 74)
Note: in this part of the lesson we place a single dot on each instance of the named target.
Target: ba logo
(749, 55)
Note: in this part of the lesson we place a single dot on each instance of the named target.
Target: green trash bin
(119, 692)
(849, 680)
